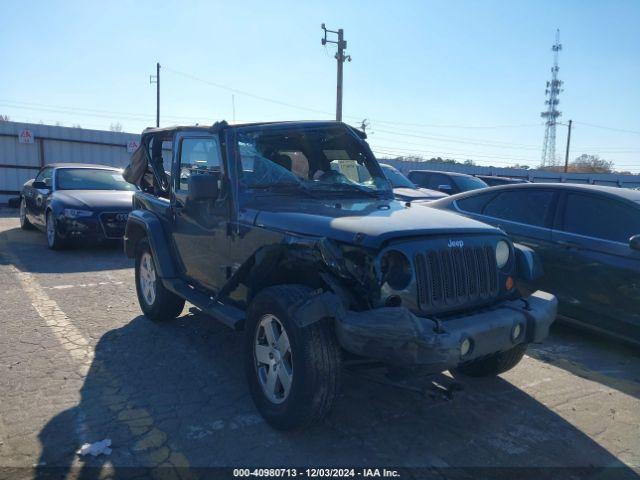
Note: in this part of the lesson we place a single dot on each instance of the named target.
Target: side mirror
(40, 185)
(634, 242)
(202, 187)
(444, 188)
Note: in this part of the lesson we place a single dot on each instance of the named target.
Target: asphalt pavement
(79, 364)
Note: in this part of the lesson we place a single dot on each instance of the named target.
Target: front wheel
(293, 372)
(54, 240)
(494, 364)
(156, 302)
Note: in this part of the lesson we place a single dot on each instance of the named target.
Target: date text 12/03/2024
(316, 472)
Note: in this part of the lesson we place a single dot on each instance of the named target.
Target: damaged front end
(436, 315)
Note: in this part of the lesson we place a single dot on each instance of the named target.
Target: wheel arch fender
(143, 224)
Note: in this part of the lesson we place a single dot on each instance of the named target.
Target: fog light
(515, 332)
(465, 347)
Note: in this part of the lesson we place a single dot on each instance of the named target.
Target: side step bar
(230, 316)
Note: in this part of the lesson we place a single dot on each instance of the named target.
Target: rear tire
(309, 362)
(25, 224)
(495, 364)
(156, 302)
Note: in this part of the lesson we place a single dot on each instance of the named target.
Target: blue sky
(461, 79)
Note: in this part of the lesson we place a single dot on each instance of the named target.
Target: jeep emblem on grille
(455, 243)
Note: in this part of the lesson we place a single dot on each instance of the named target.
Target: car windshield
(397, 179)
(469, 183)
(91, 179)
(320, 159)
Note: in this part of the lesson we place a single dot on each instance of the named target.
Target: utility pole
(233, 107)
(156, 79)
(566, 155)
(341, 58)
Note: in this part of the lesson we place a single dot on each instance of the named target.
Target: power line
(635, 132)
(92, 112)
(468, 141)
(324, 112)
(247, 94)
(453, 126)
(591, 149)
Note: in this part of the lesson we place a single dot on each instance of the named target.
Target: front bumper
(396, 336)
(97, 227)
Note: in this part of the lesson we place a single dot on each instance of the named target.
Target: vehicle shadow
(29, 249)
(592, 356)
(173, 395)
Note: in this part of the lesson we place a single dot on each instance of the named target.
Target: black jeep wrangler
(290, 232)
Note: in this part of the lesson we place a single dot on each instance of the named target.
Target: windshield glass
(325, 159)
(91, 179)
(469, 183)
(397, 179)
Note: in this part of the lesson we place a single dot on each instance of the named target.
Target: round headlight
(502, 253)
(396, 270)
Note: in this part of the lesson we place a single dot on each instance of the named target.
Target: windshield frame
(56, 183)
(382, 190)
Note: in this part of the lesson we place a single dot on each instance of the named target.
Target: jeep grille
(455, 277)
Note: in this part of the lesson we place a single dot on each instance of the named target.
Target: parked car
(72, 201)
(446, 182)
(587, 237)
(494, 181)
(273, 229)
(407, 191)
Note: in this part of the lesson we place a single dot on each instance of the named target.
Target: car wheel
(293, 372)
(495, 364)
(54, 241)
(156, 302)
(25, 224)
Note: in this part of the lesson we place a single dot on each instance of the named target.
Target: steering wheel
(331, 176)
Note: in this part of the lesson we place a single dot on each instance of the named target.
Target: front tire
(293, 372)
(25, 224)
(54, 240)
(495, 364)
(156, 302)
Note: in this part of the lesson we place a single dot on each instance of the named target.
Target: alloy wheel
(147, 279)
(272, 357)
(51, 229)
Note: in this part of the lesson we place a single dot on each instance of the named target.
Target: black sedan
(76, 201)
(446, 182)
(407, 191)
(588, 238)
(494, 181)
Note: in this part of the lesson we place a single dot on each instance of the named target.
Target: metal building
(26, 147)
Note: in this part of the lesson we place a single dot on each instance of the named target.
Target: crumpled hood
(409, 194)
(95, 199)
(369, 223)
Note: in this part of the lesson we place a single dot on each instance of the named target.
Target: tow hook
(438, 327)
